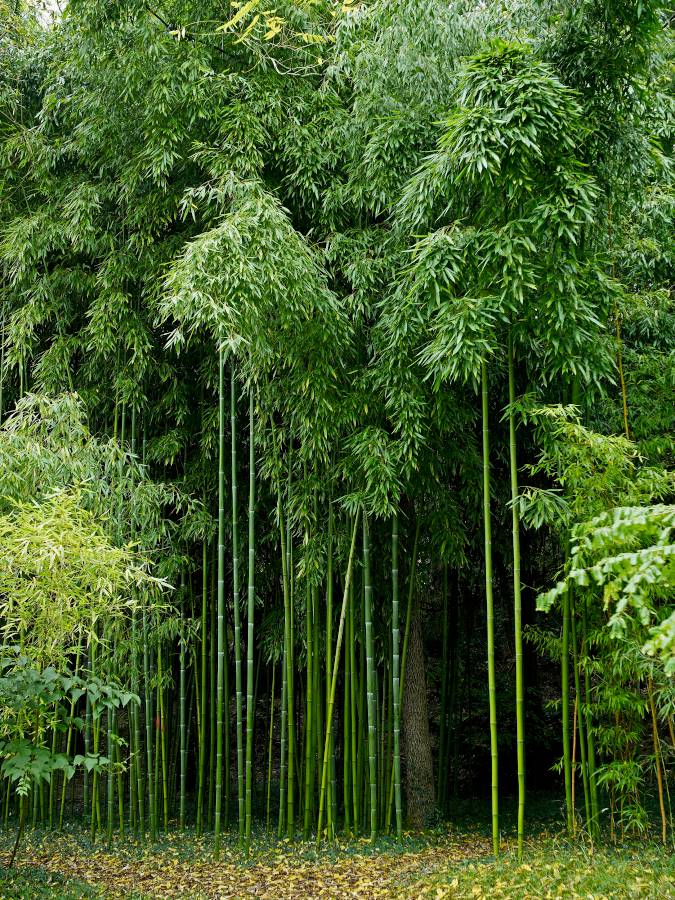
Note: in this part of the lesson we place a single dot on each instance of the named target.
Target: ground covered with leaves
(448, 865)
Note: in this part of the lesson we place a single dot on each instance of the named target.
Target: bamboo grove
(344, 336)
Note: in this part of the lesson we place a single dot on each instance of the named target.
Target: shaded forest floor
(453, 864)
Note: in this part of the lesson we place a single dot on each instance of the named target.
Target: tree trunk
(420, 794)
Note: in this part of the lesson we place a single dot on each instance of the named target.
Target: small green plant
(35, 706)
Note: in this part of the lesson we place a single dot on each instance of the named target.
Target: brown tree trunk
(420, 796)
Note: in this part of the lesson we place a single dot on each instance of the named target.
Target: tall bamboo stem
(370, 679)
(406, 640)
(334, 677)
(182, 712)
(517, 605)
(269, 750)
(237, 611)
(290, 713)
(396, 681)
(582, 727)
(489, 605)
(250, 709)
(657, 757)
(203, 691)
(309, 707)
(220, 601)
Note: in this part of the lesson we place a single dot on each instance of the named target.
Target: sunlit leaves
(595, 471)
(61, 575)
(629, 553)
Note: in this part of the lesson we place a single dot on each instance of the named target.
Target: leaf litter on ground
(438, 865)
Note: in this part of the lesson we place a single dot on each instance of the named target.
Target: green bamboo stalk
(203, 692)
(163, 729)
(317, 723)
(388, 756)
(565, 688)
(565, 685)
(453, 730)
(346, 739)
(237, 612)
(182, 709)
(250, 710)
(195, 686)
(96, 729)
(87, 732)
(300, 762)
(111, 774)
(95, 798)
(226, 726)
(517, 604)
(442, 760)
(489, 604)
(283, 723)
(381, 740)
(37, 790)
(148, 726)
(396, 680)
(364, 741)
(353, 710)
(582, 726)
(336, 666)
(404, 654)
(658, 760)
(136, 773)
(220, 611)
(309, 709)
(120, 785)
(69, 738)
(290, 742)
(269, 749)
(288, 654)
(157, 748)
(595, 806)
(52, 787)
(331, 809)
(370, 679)
(213, 689)
(282, 748)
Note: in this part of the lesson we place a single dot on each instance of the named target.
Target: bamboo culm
(220, 601)
(241, 802)
(250, 709)
(370, 679)
(489, 606)
(396, 683)
(517, 605)
(334, 677)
